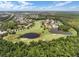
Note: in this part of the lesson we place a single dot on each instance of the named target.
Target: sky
(39, 5)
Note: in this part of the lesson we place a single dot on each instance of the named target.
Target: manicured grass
(44, 34)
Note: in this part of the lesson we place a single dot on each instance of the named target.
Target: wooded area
(61, 47)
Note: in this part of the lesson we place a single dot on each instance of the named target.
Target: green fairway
(45, 35)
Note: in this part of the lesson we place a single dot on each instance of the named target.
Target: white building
(3, 32)
(50, 23)
(55, 26)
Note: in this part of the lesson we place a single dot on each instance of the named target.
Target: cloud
(24, 3)
(5, 4)
(63, 3)
(10, 5)
(57, 5)
(32, 6)
(74, 7)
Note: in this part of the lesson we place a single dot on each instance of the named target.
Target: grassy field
(71, 19)
(46, 36)
(74, 22)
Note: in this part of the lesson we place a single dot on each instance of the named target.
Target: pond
(31, 35)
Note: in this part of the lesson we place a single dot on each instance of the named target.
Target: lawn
(45, 35)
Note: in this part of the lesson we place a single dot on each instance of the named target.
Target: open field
(74, 22)
(46, 36)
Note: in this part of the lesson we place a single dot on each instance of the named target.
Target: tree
(65, 47)
(9, 25)
(64, 28)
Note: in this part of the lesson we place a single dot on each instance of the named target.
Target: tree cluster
(61, 47)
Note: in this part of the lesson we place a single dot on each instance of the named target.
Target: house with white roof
(3, 32)
(50, 24)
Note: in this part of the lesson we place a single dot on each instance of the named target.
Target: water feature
(30, 35)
